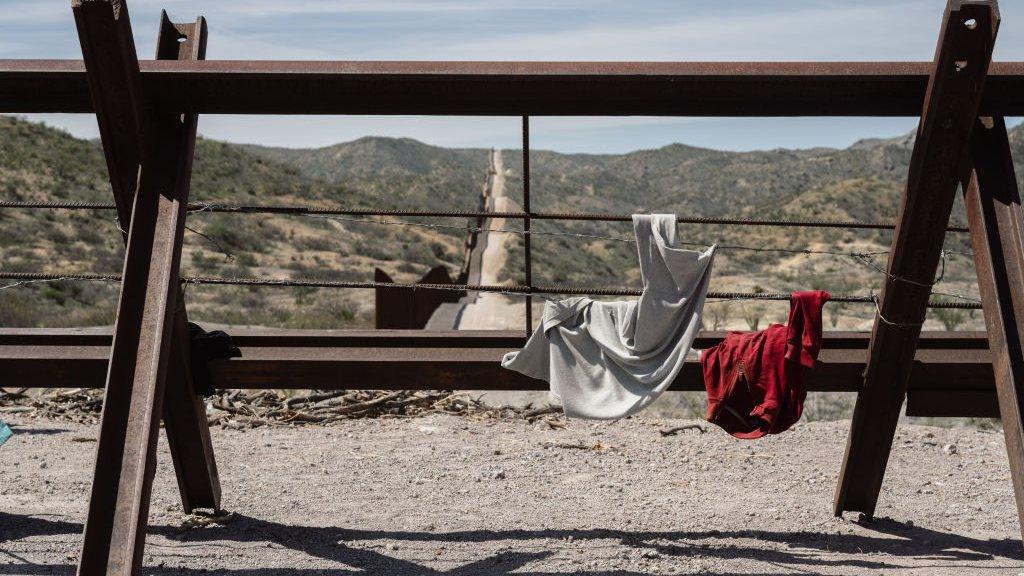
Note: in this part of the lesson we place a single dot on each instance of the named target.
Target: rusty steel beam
(997, 235)
(399, 364)
(187, 427)
(185, 421)
(140, 351)
(512, 88)
(277, 338)
(952, 403)
(116, 95)
(937, 163)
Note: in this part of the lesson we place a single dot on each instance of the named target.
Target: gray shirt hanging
(607, 360)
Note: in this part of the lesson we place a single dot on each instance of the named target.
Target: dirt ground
(456, 496)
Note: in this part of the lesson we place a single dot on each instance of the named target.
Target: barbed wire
(327, 214)
(507, 289)
(860, 257)
(207, 206)
(732, 247)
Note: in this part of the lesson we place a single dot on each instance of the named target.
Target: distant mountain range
(862, 182)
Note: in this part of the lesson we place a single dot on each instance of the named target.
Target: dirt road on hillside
(492, 311)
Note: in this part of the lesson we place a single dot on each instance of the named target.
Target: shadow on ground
(800, 552)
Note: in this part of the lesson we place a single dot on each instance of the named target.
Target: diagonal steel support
(188, 433)
(938, 163)
(997, 236)
(141, 348)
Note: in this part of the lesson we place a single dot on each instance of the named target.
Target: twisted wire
(198, 206)
(509, 289)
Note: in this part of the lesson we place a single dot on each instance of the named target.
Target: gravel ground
(456, 496)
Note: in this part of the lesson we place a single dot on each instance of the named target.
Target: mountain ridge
(860, 182)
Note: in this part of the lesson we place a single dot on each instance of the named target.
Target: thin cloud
(527, 30)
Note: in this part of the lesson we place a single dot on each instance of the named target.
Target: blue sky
(528, 30)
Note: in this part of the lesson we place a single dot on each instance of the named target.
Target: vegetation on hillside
(862, 182)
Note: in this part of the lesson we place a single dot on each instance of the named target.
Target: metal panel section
(396, 308)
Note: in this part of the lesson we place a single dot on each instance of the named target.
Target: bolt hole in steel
(970, 23)
(960, 65)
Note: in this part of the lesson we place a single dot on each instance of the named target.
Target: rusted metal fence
(147, 113)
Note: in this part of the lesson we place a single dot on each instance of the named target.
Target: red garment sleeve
(803, 339)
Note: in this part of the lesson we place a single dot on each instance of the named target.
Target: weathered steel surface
(411, 309)
(938, 161)
(116, 94)
(269, 337)
(997, 236)
(139, 354)
(513, 88)
(952, 403)
(408, 359)
(187, 427)
(188, 432)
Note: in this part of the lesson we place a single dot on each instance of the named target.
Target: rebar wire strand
(861, 258)
(328, 215)
(510, 289)
(578, 216)
(729, 247)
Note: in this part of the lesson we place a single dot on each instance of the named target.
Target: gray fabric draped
(607, 360)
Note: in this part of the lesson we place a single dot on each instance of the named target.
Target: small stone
(949, 449)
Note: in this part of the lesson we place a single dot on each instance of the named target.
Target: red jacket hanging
(755, 380)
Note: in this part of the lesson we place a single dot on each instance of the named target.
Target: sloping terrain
(861, 182)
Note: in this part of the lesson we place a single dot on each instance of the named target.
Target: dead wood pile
(240, 409)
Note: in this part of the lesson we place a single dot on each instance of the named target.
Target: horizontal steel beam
(398, 359)
(512, 88)
(953, 403)
(269, 337)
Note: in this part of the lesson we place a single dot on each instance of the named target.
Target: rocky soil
(453, 495)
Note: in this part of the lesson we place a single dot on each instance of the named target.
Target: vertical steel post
(140, 354)
(997, 237)
(188, 433)
(938, 162)
(528, 264)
